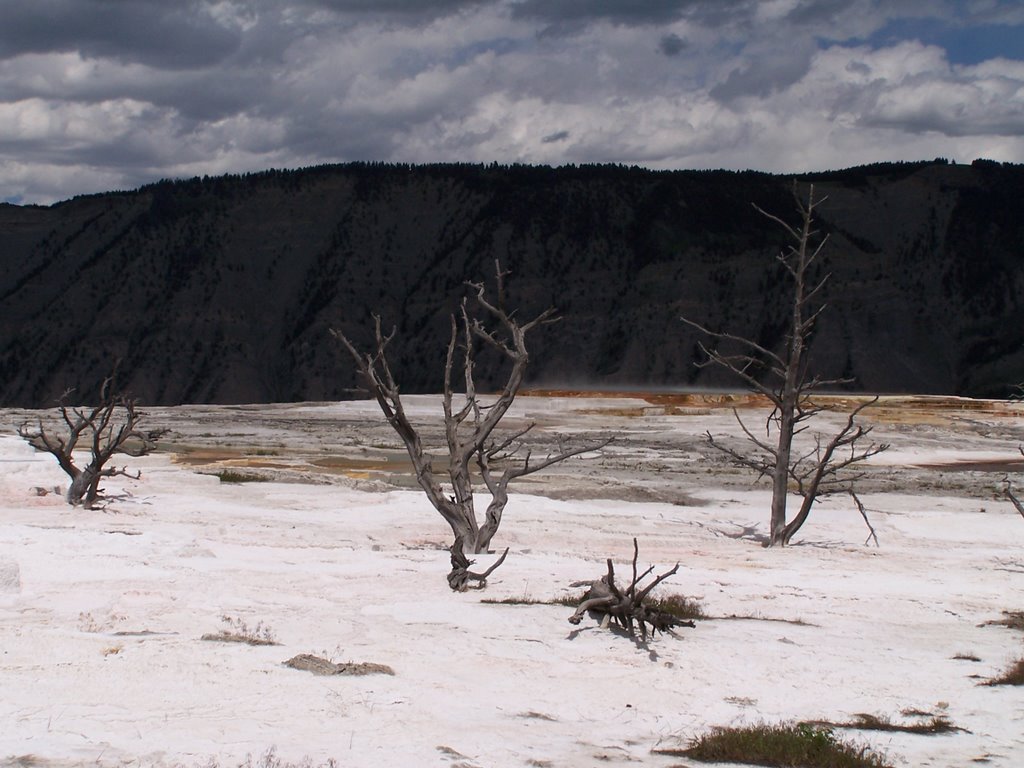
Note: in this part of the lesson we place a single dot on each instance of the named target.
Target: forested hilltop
(223, 289)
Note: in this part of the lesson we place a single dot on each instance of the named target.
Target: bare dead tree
(1010, 495)
(627, 607)
(783, 378)
(470, 420)
(103, 430)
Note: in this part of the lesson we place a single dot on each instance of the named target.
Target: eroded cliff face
(222, 290)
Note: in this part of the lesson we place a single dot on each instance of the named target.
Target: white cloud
(913, 89)
(34, 121)
(691, 83)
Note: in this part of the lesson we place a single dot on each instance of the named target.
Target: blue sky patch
(963, 44)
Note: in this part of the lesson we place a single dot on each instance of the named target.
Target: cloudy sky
(110, 94)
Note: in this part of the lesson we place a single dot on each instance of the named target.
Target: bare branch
(794, 233)
(864, 514)
(759, 465)
(1008, 492)
(529, 469)
(750, 435)
(495, 449)
(750, 344)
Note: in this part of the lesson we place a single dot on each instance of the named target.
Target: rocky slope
(223, 289)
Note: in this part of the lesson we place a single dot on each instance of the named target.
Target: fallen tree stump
(460, 575)
(627, 608)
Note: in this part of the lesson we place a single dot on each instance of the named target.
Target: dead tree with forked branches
(103, 430)
(783, 378)
(470, 419)
(627, 607)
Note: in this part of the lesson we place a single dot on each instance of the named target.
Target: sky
(99, 95)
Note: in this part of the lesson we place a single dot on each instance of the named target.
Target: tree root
(628, 608)
(460, 576)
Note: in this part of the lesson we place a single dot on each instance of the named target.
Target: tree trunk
(780, 472)
(796, 524)
(84, 487)
(492, 518)
(475, 541)
(780, 486)
(790, 397)
(465, 529)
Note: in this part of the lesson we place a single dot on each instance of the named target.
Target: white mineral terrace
(336, 554)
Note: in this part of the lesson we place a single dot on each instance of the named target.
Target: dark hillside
(222, 289)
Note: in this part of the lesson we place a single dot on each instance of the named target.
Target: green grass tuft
(785, 746)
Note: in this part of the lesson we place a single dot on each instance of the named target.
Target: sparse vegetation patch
(798, 622)
(935, 724)
(269, 759)
(786, 746)
(680, 606)
(1011, 619)
(1013, 675)
(238, 631)
(564, 601)
(966, 657)
(230, 476)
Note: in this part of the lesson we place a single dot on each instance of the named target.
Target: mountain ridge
(222, 289)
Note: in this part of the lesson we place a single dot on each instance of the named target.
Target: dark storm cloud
(195, 96)
(410, 7)
(207, 96)
(626, 12)
(554, 138)
(938, 120)
(671, 44)
(765, 75)
(152, 32)
(818, 12)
